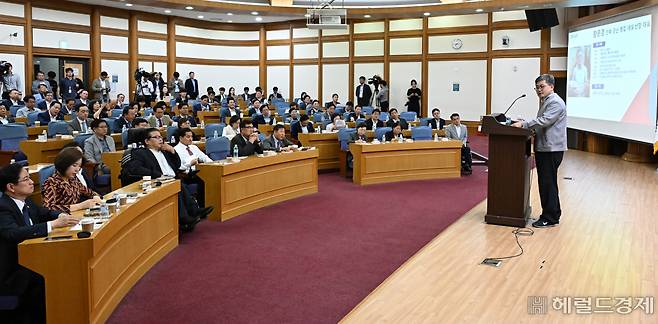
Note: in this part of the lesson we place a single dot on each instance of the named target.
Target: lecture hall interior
(328, 161)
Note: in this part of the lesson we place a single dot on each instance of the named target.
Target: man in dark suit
(265, 117)
(363, 92)
(127, 116)
(374, 120)
(83, 100)
(357, 114)
(437, 122)
(44, 104)
(277, 141)
(247, 141)
(184, 114)
(231, 110)
(53, 113)
(14, 99)
(81, 123)
(159, 159)
(192, 87)
(360, 135)
(330, 112)
(5, 118)
(304, 125)
(394, 133)
(246, 96)
(395, 119)
(21, 219)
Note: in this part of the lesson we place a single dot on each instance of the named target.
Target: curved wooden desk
(327, 145)
(390, 162)
(87, 278)
(256, 182)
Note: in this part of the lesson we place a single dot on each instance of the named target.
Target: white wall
(559, 33)
(306, 79)
(61, 16)
(112, 22)
(278, 76)
(6, 30)
(336, 49)
(335, 32)
(216, 52)
(218, 75)
(406, 46)
(114, 44)
(278, 52)
(405, 24)
(512, 77)
(458, 21)
(12, 9)
(305, 51)
(518, 39)
(471, 99)
(120, 69)
(509, 15)
(367, 70)
(152, 47)
(54, 39)
(216, 34)
(371, 27)
(278, 34)
(335, 79)
(152, 27)
(558, 63)
(470, 43)
(304, 32)
(369, 48)
(400, 81)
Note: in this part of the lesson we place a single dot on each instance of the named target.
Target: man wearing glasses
(21, 219)
(247, 141)
(550, 128)
(159, 159)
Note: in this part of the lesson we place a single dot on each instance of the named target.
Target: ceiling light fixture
(189, 8)
(229, 14)
(366, 16)
(255, 13)
(129, 4)
(230, 21)
(167, 11)
(427, 14)
(259, 18)
(200, 16)
(479, 10)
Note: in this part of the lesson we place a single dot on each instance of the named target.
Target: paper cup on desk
(87, 224)
(37, 123)
(75, 133)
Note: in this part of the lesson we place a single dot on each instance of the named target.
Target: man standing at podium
(550, 128)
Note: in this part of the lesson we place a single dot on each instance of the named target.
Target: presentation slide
(611, 78)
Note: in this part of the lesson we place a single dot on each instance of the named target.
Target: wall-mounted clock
(457, 43)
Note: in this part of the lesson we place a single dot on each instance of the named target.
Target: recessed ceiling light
(189, 8)
(479, 10)
(229, 14)
(129, 4)
(366, 16)
(200, 16)
(167, 11)
(259, 18)
(230, 21)
(427, 14)
(255, 13)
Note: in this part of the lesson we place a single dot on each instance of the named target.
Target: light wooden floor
(605, 246)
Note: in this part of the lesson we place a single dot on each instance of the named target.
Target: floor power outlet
(492, 262)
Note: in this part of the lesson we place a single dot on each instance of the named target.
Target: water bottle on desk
(235, 152)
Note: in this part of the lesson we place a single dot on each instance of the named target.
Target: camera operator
(9, 79)
(145, 87)
(101, 88)
(382, 96)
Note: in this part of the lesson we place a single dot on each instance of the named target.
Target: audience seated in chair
(190, 155)
(265, 117)
(20, 220)
(159, 119)
(277, 141)
(53, 113)
(4, 115)
(81, 123)
(247, 141)
(233, 127)
(63, 191)
(395, 134)
(395, 119)
(457, 131)
(303, 126)
(374, 121)
(436, 122)
(184, 114)
(98, 144)
(356, 114)
(30, 106)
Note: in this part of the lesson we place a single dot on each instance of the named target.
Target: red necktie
(189, 151)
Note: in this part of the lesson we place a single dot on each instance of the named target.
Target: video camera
(4, 67)
(140, 73)
(376, 80)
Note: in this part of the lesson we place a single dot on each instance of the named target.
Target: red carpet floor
(309, 260)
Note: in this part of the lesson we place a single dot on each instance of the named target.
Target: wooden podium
(509, 172)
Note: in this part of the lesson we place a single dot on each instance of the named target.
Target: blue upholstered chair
(211, 128)
(218, 148)
(58, 127)
(421, 133)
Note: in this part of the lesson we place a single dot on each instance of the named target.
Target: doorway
(57, 65)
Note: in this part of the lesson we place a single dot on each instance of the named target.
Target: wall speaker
(541, 18)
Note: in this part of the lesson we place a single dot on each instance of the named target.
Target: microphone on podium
(502, 118)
